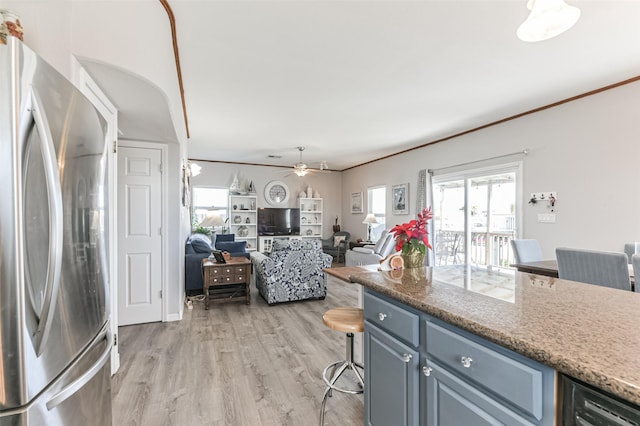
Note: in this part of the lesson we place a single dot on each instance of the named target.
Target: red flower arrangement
(413, 236)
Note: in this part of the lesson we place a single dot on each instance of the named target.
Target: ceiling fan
(301, 169)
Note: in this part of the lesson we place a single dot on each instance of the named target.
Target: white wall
(47, 30)
(586, 150)
(328, 184)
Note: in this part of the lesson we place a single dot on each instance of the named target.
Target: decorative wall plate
(276, 193)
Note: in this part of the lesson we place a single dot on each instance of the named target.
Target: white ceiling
(353, 81)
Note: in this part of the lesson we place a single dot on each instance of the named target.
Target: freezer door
(80, 396)
(56, 273)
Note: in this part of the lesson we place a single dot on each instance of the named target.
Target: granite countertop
(588, 332)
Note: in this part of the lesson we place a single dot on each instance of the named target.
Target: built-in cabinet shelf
(310, 217)
(243, 219)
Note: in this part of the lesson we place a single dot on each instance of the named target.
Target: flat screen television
(278, 221)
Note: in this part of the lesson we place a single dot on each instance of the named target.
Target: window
(208, 198)
(377, 199)
(475, 215)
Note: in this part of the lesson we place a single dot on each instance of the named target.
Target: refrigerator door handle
(54, 190)
(81, 381)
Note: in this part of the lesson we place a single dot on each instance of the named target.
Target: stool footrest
(343, 366)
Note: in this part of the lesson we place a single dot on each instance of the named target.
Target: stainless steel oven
(584, 405)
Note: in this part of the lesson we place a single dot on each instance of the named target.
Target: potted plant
(412, 239)
(202, 230)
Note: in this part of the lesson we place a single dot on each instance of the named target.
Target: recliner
(371, 254)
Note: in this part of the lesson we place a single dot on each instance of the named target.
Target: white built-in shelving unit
(310, 217)
(243, 219)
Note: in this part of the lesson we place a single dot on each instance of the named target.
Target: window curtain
(423, 200)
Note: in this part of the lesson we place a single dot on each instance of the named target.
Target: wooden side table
(229, 281)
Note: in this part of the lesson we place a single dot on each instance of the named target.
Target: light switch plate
(546, 217)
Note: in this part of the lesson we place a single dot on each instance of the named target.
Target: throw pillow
(337, 240)
(232, 246)
(200, 246)
(202, 237)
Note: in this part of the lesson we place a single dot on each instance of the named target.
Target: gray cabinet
(391, 396)
(463, 379)
(451, 401)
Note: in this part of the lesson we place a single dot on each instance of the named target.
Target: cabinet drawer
(392, 318)
(511, 377)
(240, 270)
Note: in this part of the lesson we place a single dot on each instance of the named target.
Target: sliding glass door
(476, 215)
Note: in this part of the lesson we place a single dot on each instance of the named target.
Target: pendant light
(548, 18)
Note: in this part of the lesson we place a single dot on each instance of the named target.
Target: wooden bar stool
(347, 320)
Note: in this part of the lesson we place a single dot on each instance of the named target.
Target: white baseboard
(174, 317)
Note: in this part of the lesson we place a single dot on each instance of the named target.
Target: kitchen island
(587, 332)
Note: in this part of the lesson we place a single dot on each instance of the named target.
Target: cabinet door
(451, 401)
(391, 380)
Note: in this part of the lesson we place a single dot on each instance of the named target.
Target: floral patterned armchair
(293, 271)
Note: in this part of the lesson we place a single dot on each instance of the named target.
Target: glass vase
(415, 259)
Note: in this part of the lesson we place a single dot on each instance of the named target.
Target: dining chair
(526, 250)
(632, 248)
(607, 269)
(635, 260)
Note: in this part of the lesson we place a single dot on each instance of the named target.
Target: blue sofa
(199, 247)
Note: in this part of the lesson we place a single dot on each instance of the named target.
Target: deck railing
(487, 248)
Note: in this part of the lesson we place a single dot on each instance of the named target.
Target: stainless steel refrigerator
(55, 341)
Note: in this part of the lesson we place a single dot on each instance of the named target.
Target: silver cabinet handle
(382, 316)
(407, 357)
(427, 370)
(466, 361)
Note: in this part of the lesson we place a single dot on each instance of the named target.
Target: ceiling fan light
(548, 18)
(300, 172)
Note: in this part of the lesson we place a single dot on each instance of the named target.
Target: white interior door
(139, 235)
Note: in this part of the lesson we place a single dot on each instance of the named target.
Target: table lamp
(369, 220)
(211, 220)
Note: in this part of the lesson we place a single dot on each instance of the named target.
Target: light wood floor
(235, 365)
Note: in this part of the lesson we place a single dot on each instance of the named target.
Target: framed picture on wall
(356, 202)
(400, 199)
